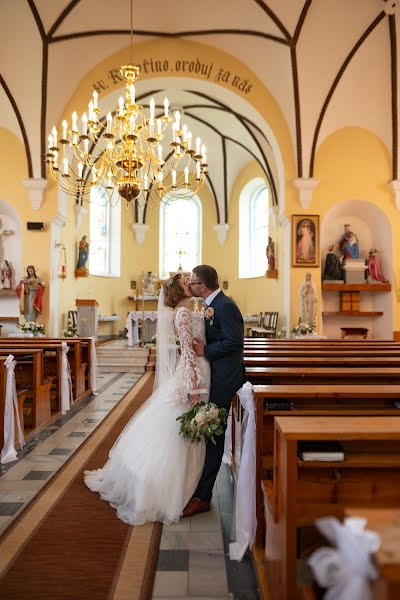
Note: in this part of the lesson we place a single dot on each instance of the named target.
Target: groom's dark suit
(224, 351)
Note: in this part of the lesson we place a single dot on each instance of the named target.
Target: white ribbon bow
(347, 570)
(66, 382)
(93, 366)
(245, 510)
(8, 453)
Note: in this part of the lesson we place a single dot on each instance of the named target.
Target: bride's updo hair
(173, 293)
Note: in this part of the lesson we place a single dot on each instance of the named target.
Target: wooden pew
(303, 491)
(29, 375)
(80, 373)
(318, 400)
(307, 375)
(21, 393)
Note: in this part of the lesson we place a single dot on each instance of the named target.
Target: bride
(152, 472)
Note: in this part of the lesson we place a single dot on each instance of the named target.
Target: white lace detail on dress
(193, 376)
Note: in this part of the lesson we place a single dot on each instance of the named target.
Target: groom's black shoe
(195, 506)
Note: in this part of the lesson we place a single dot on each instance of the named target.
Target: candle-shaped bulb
(110, 146)
(152, 105)
(109, 122)
(109, 175)
(178, 119)
(95, 97)
(173, 177)
(160, 177)
(131, 124)
(151, 128)
(186, 171)
(80, 170)
(74, 121)
(84, 124)
(50, 141)
(86, 146)
(159, 150)
(121, 106)
(65, 166)
(203, 149)
(54, 132)
(198, 169)
(158, 127)
(94, 174)
(174, 132)
(146, 182)
(198, 144)
(55, 159)
(189, 140)
(184, 132)
(64, 129)
(166, 105)
(91, 115)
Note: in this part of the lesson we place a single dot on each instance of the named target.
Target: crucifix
(181, 252)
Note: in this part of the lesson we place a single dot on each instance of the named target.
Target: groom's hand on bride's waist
(194, 399)
(198, 347)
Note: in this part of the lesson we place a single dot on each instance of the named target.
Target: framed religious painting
(305, 240)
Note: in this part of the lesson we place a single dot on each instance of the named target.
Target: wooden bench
(303, 491)
(29, 375)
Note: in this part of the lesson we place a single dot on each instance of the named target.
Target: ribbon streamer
(66, 382)
(8, 453)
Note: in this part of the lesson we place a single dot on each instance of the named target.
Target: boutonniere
(209, 314)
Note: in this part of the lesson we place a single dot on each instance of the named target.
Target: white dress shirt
(211, 297)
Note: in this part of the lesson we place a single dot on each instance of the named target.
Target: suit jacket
(225, 339)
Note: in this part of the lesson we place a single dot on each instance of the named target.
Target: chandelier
(140, 156)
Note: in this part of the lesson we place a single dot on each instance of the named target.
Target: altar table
(132, 324)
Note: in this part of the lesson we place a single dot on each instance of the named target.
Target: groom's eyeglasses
(195, 283)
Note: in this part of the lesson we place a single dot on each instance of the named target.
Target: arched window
(180, 235)
(253, 229)
(105, 234)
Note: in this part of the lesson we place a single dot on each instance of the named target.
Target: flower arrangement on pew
(30, 327)
(203, 421)
(302, 328)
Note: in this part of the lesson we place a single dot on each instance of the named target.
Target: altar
(148, 318)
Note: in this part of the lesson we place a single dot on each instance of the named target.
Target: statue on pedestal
(348, 244)
(271, 254)
(5, 275)
(149, 282)
(373, 267)
(81, 266)
(308, 301)
(30, 291)
(333, 268)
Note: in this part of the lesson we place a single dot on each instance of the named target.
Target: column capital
(140, 230)
(305, 187)
(36, 188)
(221, 229)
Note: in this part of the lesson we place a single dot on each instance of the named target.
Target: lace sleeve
(194, 379)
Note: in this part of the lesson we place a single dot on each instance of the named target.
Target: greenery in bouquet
(31, 327)
(302, 328)
(203, 422)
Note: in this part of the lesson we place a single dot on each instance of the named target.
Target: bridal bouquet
(35, 329)
(203, 421)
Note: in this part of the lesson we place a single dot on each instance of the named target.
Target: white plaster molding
(305, 187)
(284, 220)
(222, 231)
(391, 6)
(36, 188)
(60, 220)
(395, 188)
(140, 231)
(80, 212)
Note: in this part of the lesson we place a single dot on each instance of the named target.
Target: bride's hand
(194, 399)
(198, 347)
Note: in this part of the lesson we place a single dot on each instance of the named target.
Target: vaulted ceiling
(328, 64)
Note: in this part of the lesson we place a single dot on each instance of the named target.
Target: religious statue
(308, 301)
(5, 275)
(149, 282)
(271, 254)
(348, 244)
(333, 268)
(30, 291)
(81, 266)
(373, 267)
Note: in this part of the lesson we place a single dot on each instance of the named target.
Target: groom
(224, 351)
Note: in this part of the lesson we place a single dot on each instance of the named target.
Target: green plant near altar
(71, 331)
(302, 328)
(32, 327)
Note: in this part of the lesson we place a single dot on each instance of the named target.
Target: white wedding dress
(152, 472)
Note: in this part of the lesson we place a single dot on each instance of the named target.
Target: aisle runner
(68, 544)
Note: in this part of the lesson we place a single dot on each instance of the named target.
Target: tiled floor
(41, 458)
(193, 560)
